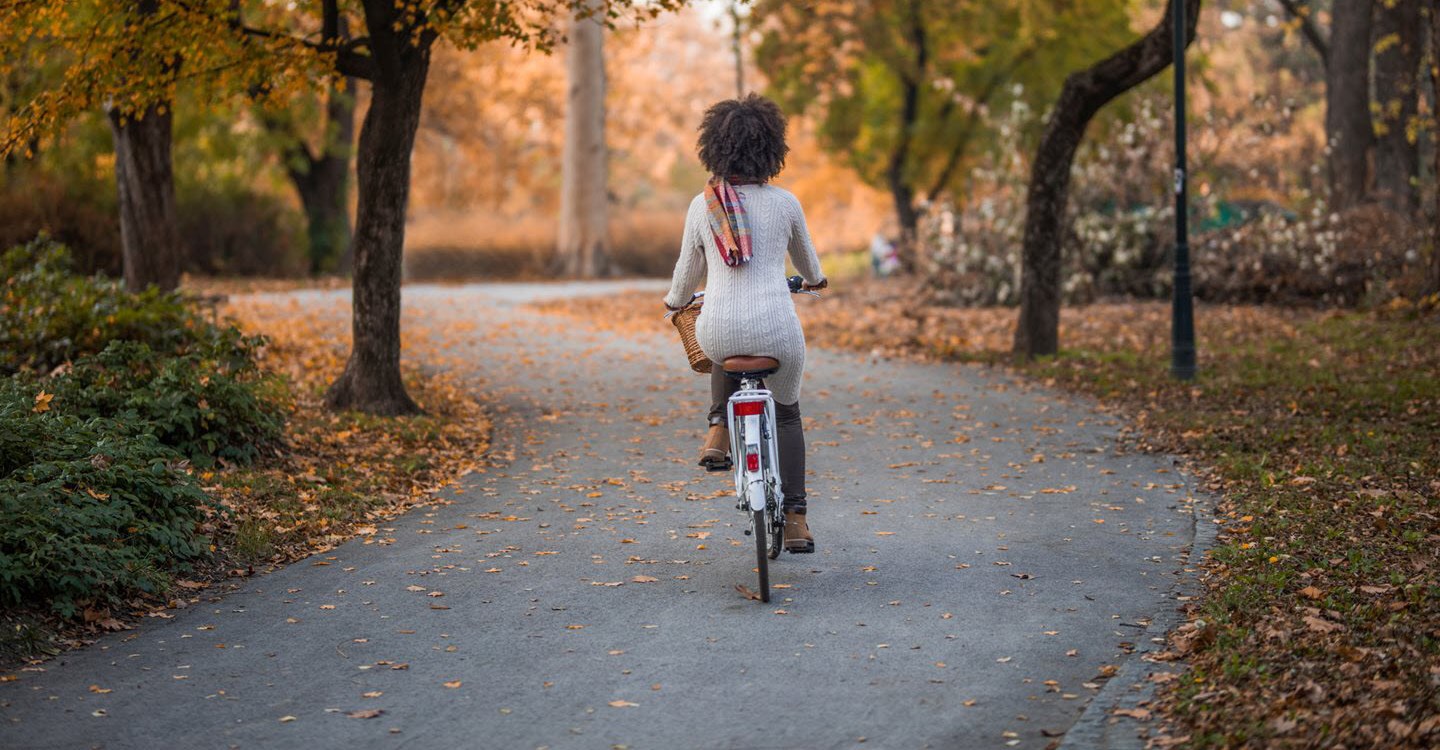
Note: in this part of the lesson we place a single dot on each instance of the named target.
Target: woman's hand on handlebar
(824, 284)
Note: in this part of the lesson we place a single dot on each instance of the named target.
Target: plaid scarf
(728, 222)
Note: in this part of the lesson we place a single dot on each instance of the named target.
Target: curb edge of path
(1096, 729)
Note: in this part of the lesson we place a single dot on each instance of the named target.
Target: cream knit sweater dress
(748, 309)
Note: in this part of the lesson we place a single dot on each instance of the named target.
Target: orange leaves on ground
(341, 473)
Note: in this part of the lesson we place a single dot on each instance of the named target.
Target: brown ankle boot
(797, 534)
(715, 454)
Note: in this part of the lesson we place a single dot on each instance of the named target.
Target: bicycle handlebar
(796, 284)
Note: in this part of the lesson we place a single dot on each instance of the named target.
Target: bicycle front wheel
(762, 557)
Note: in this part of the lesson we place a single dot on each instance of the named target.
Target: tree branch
(973, 120)
(349, 61)
(1308, 29)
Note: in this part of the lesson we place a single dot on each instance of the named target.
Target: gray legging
(789, 430)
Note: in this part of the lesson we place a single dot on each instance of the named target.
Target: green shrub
(207, 404)
(148, 359)
(91, 510)
(49, 315)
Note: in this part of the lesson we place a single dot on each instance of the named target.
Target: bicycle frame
(753, 444)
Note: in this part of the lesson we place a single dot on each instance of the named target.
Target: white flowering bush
(1119, 238)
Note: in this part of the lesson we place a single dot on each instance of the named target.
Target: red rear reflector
(749, 408)
(752, 461)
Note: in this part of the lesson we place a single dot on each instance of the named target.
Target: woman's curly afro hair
(744, 138)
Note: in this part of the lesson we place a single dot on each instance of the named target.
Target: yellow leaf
(42, 402)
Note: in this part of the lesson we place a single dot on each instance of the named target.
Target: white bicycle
(755, 452)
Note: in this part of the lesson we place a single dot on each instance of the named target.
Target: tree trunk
(1435, 148)
(1398, 42)
(1347, 102)
(582, 246)
(149, 234)
(1084, 93)
(371, 381)
(323, 183)
(898, 172)
(907, 249)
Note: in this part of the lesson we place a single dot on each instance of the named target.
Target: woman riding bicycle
(737, 235)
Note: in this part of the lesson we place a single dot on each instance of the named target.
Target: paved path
(984, 551)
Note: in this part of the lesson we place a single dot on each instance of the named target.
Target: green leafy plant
(49, 315)
(210, 403)
(149, 360)
(92, 510)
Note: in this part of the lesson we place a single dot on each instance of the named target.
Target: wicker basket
(684, 321)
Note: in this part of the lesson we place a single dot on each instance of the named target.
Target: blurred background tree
(901, 88)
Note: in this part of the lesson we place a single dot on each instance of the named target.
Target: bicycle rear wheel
(762, 557)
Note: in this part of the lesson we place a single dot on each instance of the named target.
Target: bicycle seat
(753, 367)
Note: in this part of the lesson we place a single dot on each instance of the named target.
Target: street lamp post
(1182, 317)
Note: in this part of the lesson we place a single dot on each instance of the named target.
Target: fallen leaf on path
(746, 592)
(366, 713)
(623, 704)
(453, 684)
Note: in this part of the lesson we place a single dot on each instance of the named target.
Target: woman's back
(748, 309)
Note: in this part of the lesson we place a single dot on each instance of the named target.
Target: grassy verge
(1321, 433)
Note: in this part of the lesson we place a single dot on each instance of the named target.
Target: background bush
(1119, 237)
(237, 232)
(75, 211)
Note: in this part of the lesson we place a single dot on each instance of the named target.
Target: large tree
(1347, 102)
(582, 245)
(145, 185)
(316, 141)
(903, 87)
(1434, 65)
(1361, 122)
(240, 47)
(1084, 93)
(1399, 42)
